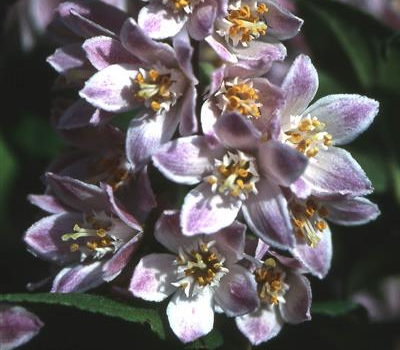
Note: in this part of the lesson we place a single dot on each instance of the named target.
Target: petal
(47, 203)
(112, 88)
(209, 116)
(201, 21)
(145, 136)
(220, 49)
(316, 260)
(281, 23)
(113, 267)
(81, 114)
(78, 279)
(230, 241)
(206, 212)
(103, 51)
(281, 163)
(17, 326)
(76, 194)
(296, 309)
(88, 19)
(168, 231)
(186, 160)
(352, 211)
(119, 209)
(67, 57)
(299, 87)
(153, 277)
(143, 47)
(237, 292)
(159, 22)
(184, 54)
(267, 215)
(188, 118)
(335, 172)
(43, 238)
(191, 318)
(260, 326)
(235, 131)
(345, 116)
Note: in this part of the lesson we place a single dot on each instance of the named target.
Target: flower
(162, 19)
(284, 293)
(240, 88)
(202, 273)
(309, 217)
(89, 233)
(238, 170)
(17, 326)
(316, 130)
(162, 85)
(251, 30)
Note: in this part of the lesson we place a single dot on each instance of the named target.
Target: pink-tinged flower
(238, 88)
(284, 293)
(313, 237)
(89, 233)
(101, 159)
(252, 30)
(162, 19)
(17, 326)
(201, 274)
(162, 85)
(387, 306)
(240, 170)
(317, 129)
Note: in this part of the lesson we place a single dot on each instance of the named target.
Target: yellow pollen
(243, 98)
(309, 136)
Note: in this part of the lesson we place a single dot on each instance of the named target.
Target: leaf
(333, 308)
(95, 304)
(211, 341)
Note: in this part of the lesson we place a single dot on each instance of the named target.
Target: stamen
(307, 135)
(244, 23)
(307, 219)
(235, 175)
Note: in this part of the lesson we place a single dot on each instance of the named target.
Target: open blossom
(88, 233)
(162, 19)
(317, 129)
(252, 30)
(201, 274)
(162, 85)
(239, 170)
(309, 217)
(284, 293)
(17, 326)
(236, 88)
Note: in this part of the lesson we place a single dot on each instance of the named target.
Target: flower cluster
(264, 161)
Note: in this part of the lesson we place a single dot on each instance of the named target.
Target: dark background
(363, 256)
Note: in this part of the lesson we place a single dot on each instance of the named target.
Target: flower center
(154, 89)
(241, 97)
(111, 168)
(270, 282)
(235, 175)
(244, 23)
(92, 238)
(308, 135)
(308, 221)
(199, 267)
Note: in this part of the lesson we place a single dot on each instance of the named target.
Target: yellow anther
(321, 225)
(153, 75)
(155, 106)
(101, 232)
(74, 247)
(270, 262)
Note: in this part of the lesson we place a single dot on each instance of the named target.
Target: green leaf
(337, 41)
(36, 137)
(95, 304)
(8, 165)
(333, 308)
(211, 341)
